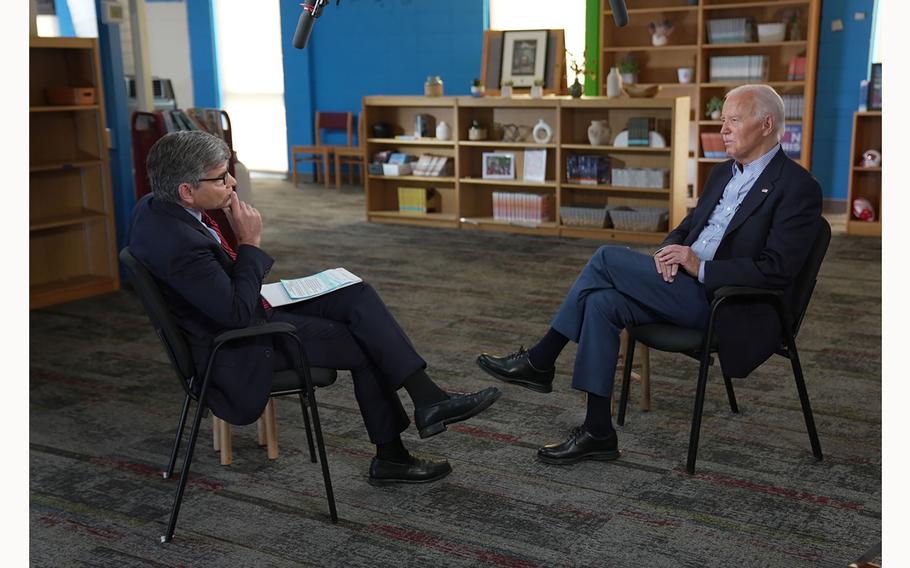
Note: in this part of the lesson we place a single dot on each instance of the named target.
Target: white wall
(169, 47)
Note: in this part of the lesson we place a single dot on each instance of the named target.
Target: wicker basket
(653, 219)
(591, 217)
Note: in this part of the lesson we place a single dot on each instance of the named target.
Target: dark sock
(422, 390)
(543, 355)
(598, 421)
(393, 451)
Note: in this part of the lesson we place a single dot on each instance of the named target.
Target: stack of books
(525, 208)
(418, 200)
(731, 30)
(639, 129)
(588, 169)
(792, 140)
(399, 164)
(434, 166)
(796, 71)
(712, 144)
(793, 106)
(736, 68)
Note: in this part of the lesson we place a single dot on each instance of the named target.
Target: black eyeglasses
(222, 178)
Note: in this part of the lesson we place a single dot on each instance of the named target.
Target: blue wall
(843, 61)
(377, 47)
(203, 54)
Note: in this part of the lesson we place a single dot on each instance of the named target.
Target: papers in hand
(299, 289)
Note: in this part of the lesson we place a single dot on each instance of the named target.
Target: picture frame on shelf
(535, 165)
(524, 56)
(498, 165)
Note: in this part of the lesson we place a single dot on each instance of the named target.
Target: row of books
(588, 169)
(731, 30)
(712, 144)
(793, 106)
(732, 68)
(430, 165)
(205, 119)
(796, 69)
(530, 208)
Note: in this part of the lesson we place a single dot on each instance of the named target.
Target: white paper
(300, 289)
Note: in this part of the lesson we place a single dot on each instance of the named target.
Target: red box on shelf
(70, 95)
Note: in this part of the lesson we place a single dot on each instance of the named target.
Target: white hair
(765, 102)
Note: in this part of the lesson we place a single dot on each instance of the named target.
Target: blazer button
(268, 353)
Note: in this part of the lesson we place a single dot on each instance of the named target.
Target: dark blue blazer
(764, 246)
(209, 293)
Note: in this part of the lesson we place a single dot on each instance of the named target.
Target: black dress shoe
(580, 445)
(517, 369)
(416, 470)
(432, 419)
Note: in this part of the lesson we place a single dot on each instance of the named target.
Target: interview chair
(700, 344)
(319, 154)
(352, 157)
(300, 381)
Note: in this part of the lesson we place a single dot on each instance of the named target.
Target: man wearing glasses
(211, 288)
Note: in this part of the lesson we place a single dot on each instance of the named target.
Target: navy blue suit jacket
(764, 246)
(209, 293)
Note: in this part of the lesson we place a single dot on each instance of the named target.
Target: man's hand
(678, 255)
(667, 271)
(245, 220)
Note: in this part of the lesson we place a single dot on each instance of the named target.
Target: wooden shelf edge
(733, 6)
(619, 188)
(62, 108)
(58, 292)
(86, 216)
(549, 184)
(646, 149)
(62, 166)
(436, 179)
(418, 142)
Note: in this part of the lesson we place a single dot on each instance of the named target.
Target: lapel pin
(764, 190)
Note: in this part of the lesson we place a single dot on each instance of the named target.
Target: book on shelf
(300, 289)
(796, 70)
(731, 30)
(792, 140)
(523, 208)
(793, 106)
(736, 68)
(433, 166)
(535, 165)
(712, 144)
(418, 200)
(589, 169)
(639, 129)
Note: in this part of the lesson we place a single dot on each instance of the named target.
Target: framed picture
(524, 56)
(535, 165)
(498, 165)
(875, 87)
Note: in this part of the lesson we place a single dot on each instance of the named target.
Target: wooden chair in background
(318, 153)
(266, 434)
(352, 157)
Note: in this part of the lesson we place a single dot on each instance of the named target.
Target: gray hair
(183, 157)
(765, 102)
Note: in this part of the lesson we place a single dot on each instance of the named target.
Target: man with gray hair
(753, 226)
(211, 288)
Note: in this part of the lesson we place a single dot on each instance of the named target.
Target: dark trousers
(352, 329)
(619, 287)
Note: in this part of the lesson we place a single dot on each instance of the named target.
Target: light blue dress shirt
(198, 216)
(709, 239)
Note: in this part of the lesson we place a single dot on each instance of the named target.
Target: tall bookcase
(689, 46)
(865, 181)
(72, 243)
(467, 197)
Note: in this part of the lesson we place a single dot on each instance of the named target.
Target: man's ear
(185, 191)
(768, 127)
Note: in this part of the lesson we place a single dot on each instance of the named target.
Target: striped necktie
(209, 222)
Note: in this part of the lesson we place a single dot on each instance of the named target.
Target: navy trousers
(619, 287)
(352, 329)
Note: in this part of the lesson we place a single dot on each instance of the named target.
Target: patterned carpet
(104, 403)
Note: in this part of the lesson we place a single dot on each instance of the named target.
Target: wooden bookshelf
(865, 182)
(467, 196)
(72, 243)
(689, 47)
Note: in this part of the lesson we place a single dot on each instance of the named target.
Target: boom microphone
(620, 16)
(311, 10)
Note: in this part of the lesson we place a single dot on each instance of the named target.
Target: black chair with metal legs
(701, 344)
(300, 381)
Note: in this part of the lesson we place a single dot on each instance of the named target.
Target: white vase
(599, 133)
(658, 40)
(614, 85)
(506, 91)
(477, 90)
(443, 131)
(715, 115)
(629, 79)
(542, 132)
(536, 91)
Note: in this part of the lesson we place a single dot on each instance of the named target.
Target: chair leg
(320, 444)
(226, 438)
(804, 399)
(626, 379)
(294, 169)
(271, 429)
(261, 437)
(306, 425)
(645, 358)
(731, 397)
(185, 472)
(169, 471)
(337, 172)
(325, 165)
(697, 411)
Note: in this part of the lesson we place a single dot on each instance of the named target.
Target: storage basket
(653, 219)
(70, 95)
(580, 216)
(768, 33)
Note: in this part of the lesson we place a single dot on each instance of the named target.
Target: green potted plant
(576, 89)
(507, 88)
(713, 108)
(537, 88)
(629, 69)
(477, 88)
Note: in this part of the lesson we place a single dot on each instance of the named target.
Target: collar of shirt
(198, 216)
(756, 167)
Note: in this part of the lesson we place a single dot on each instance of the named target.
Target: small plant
(578, 68)
(539, 82)
(508, 83)
(716, 104)
(629, 65)
(476, 83)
